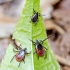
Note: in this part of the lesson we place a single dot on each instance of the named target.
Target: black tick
(35, 17)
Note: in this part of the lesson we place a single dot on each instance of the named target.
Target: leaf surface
(24, 31)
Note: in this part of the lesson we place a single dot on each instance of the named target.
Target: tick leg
(34, 52)
(33, 42)
(34, 11)
(38, 57)
(44, 15)
(45, 54)
(24, 59)
(28, 53)
(15, 50)
(36, 22)
(41, 41)
(30, 21)
(45, 48)
(12, 58)
(39, 14)
(46, 38)
(19, 64)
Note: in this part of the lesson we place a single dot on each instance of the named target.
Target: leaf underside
(24, 31)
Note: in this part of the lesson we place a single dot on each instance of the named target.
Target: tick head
(24, 49)
(37, 41)
(37, 14)
(38, 45)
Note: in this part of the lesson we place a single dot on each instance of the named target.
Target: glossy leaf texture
(24, 31)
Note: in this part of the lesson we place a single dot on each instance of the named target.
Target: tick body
(35, 17)
(20, 56)
(40, 50)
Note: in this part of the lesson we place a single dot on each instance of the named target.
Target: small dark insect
(39, 49)
(20, 56)
(35, 17)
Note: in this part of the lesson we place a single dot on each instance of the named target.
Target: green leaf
(24, 31)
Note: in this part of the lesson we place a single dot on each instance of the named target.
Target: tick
(40, 50)
(20, 56)
(35, 17)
